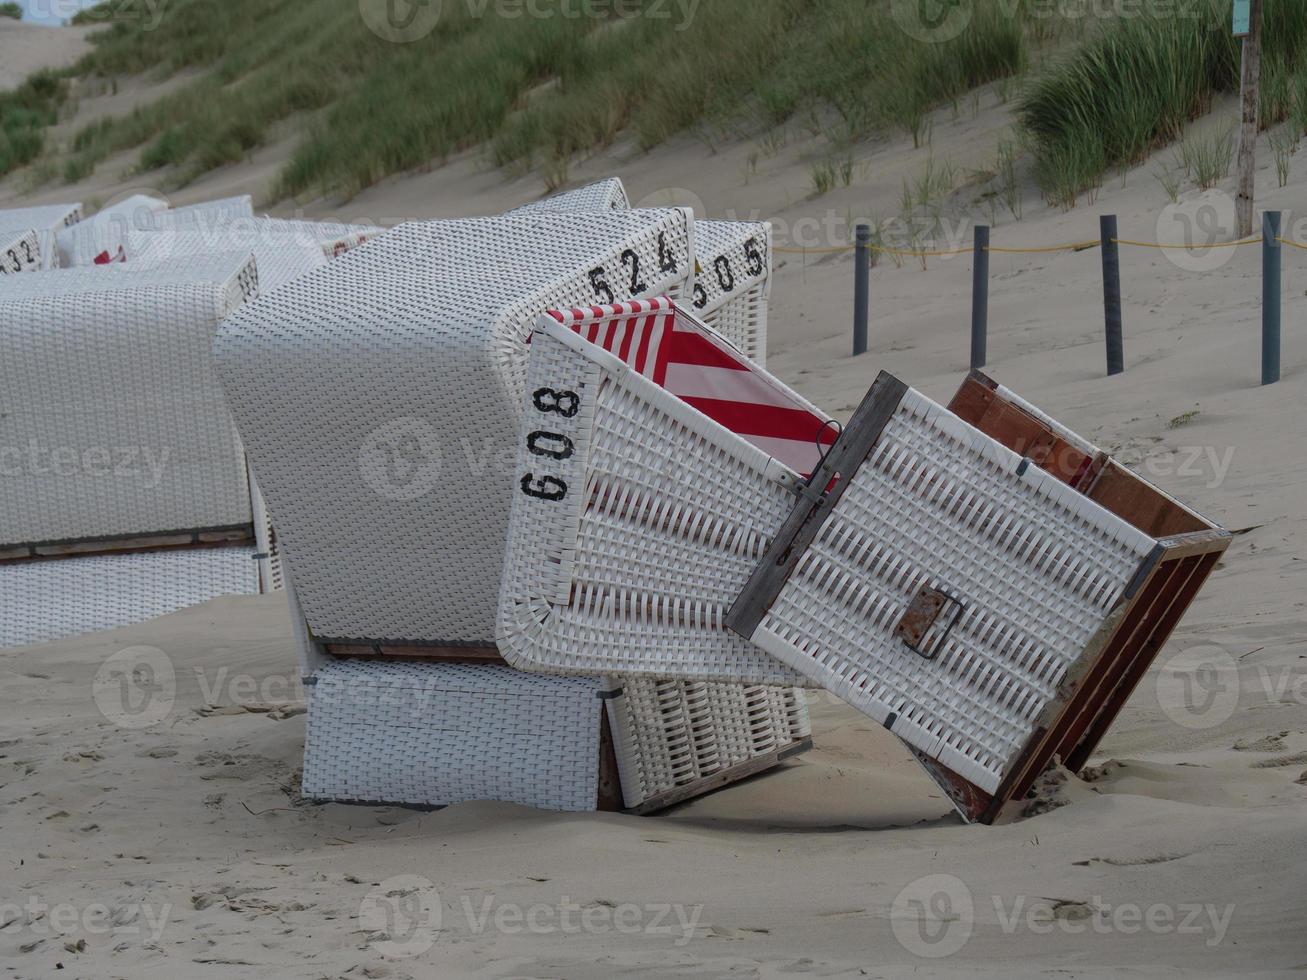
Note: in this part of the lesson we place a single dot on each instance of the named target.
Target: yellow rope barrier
(916, 253)
(1190, 248)
(1065, 247)
(1069, 246)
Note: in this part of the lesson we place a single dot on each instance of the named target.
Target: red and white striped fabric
(680, 353)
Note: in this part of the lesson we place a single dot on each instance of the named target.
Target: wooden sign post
(1248, 24)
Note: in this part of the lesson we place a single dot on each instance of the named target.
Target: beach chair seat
(977, 606)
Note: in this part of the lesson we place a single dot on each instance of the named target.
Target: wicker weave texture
(114, 423)
(236, 272)
(733, 281)
(379, 399)
(105, 236)
(625, 555)
(1036, 568)
(668, 734)
(432, 734)
(281, 255)
(602, 195)
(48, 599)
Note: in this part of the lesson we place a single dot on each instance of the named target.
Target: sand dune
(25, 48)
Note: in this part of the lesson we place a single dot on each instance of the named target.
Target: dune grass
(1134, 86)
(24, 115)
(537, 91)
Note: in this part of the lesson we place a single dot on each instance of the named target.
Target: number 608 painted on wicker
(553, 445)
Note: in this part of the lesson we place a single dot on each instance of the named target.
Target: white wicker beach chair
(20, 251)
(968, 600)
(281, 258)
(602, 195)
(104, 237)
(393, 533)
(47, 220)
(237, 272)
(120, 455)
(732, 283)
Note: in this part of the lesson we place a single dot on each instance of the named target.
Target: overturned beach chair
(976, 605)
(104, 237)
(126, 492)
(379, 399)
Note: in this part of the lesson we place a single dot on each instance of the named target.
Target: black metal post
(1270, 297)
(1112, 295)
(861, 289)
(979, 297)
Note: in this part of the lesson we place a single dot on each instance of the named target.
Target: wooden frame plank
(209, 537)
(978, 403)
(817, 500)
(371, 649)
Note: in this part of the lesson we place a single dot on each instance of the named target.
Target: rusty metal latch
(923, 613)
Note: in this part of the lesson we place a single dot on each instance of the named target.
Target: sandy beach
(183, 848)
